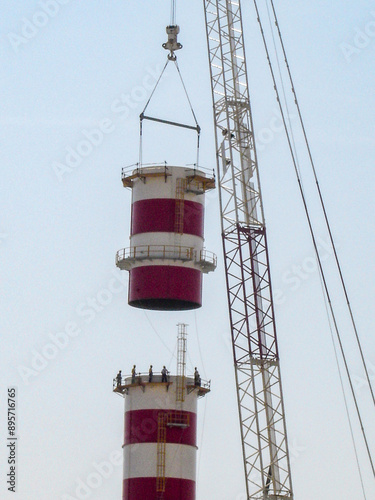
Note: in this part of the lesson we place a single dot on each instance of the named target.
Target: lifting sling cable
(312, 233)
(158, 335)
(192, 111)
(140, 122)
(328, 225)
(142, 116)
(203, 428)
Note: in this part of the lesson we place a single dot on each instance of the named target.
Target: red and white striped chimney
(160, 445)
(166, 257)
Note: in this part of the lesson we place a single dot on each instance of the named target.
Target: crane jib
(254, 343)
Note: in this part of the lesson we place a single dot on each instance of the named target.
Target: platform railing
(162, 167)
(143, 378)
(140, 378)
(144, 252)
(155, 252)
(138, 168)
(207, 256)
(204, 384)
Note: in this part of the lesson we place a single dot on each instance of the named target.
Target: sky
(78, 71)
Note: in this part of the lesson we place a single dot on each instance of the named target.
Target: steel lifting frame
(255, 352)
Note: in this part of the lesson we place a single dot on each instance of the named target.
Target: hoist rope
(343, 393)
(288, 114)
(173, 12)
(312, 233)
(328, 225)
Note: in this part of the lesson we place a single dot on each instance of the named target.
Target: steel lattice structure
(256, 359)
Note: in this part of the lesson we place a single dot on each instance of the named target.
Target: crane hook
(172, 44)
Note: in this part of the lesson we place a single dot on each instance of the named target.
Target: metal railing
(203, 258)
(155, 252)
(138, 168)
(162, 166)
(207, 171)
(166, 252)
(208, 257)
(142, 378)
(204, 384)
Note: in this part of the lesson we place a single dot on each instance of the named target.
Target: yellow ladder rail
(181, 365)
(161, 445)
(179, 211)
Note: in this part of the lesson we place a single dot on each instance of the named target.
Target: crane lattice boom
(256, 358)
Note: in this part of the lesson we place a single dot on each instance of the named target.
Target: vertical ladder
(181, 365)
(179, 211)
(160, 465)
(172, 418)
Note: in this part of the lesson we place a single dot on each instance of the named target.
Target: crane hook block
(172, 45)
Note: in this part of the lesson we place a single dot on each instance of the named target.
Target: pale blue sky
(91, 66)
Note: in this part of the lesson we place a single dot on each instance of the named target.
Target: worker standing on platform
(164, 373)
(197, 377)
(133, 374)
(150, 374)
(118, 379)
